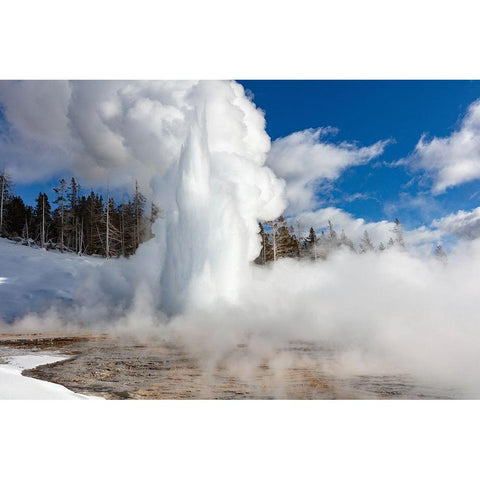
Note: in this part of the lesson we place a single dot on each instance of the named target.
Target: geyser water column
(221, 190)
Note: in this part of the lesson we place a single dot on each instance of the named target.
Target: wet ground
(126, 368)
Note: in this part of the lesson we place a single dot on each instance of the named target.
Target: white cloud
(465, 225)
(452, 160)
(306, 162)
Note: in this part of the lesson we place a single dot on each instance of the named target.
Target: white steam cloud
(120, 130)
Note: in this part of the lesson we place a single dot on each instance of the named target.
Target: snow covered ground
(32, 278)
(14, 386)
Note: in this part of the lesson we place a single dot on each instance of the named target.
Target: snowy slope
(32, 278)
(14, 386)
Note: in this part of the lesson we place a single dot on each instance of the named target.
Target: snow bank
(14, 386)
(32, 279)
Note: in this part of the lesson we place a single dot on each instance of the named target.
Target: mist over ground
(202, 151)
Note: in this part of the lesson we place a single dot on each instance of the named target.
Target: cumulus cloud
(465, 225)
(306, 161)
(451, 160)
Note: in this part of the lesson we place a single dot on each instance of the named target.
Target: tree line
(77, 222)
(92, 225)
(281, 240)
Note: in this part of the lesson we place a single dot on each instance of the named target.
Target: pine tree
(332, 233)
(266, 252)
(139, 207)
(73, 194)
(61, 191)
(366, 244)
(311, 244)
(96, 229)
(16, 217)
(440, 254)
(273, 239)
(113, 240)
(301, 241)
(72, 221)
(398, 234)
(344, 240)
(381, 247)
(329, 242)
(286, 245)
(42, 218)
(5, 194)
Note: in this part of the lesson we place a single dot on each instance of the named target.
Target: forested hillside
(71, 219)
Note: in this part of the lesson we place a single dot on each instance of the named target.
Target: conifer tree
(42, 218)
(311, 244)
(72, 220)
(398, 234)
(301, 241)
(440, 254)
(266, 251)
(139, 207)
(61, 191)
(366, 244)
(332, 233)
(17, 217)
(5, 194)
(286, 245)
(344, 240)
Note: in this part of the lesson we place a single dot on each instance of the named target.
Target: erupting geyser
(209, 177)
(221, 190)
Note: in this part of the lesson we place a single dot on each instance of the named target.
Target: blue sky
(365, 113)
(368, 111)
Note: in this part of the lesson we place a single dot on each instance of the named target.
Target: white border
(247, 39)
(239, 439)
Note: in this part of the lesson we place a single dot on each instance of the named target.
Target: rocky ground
(126, 368)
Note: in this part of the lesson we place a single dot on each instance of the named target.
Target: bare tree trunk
(274, 230)
(61, 232)
(107, 235)
(264, 251)
(122, 231)
(26, 229)
(81, 239)
(42, 238)
(137, 221)
(1, 201)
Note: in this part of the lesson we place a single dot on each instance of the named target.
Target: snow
(14, 386)
(31, 279)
